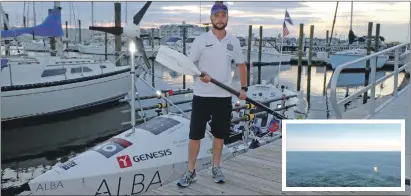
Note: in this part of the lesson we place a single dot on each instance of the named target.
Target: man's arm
(242, 71)
(239, 60)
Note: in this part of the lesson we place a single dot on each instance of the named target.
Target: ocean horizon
(343, 169)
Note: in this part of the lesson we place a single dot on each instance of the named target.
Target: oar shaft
(262, 106)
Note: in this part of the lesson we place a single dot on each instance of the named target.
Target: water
(343, 169)
(29, 150)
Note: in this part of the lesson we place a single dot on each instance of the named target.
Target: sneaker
(187, 178)
(218, 175)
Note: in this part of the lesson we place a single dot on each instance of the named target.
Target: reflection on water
(56, 142)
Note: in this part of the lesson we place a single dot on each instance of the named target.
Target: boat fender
(170, 92)
(162, 105)
(250, 106)
(249, 117)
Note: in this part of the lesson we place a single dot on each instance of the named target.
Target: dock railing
(372, 82)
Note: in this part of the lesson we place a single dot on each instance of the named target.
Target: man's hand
(243, 95)
(206, 78)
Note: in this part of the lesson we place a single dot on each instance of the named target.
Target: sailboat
(346, 56)
(45, 85)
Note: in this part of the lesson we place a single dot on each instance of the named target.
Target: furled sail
(51, 27)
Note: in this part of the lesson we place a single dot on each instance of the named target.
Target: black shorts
(218, 109)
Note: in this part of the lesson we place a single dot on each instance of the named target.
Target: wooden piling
(259, 55)
(310, 56)
(52, 42)
(105, 45)
(79, 30)
(325, 66)
(67, 35)
(6, 42)
(367, 65)
(117, 39)
(250, 31)
(377, 37)
(300, 55)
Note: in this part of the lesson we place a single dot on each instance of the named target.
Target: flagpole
(279, 65)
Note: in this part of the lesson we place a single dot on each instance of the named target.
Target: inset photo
(343, 155)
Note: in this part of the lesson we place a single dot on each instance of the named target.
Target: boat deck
(256, 172)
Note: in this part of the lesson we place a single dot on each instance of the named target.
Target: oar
(182, 64)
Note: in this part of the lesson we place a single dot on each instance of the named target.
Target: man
(213, 53)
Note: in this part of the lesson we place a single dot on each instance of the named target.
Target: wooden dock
(256, 172)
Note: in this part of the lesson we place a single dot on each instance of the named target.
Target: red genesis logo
(124, 161)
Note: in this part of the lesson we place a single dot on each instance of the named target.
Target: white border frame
(342, 121)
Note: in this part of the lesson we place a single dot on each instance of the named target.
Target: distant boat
(375, 168)
(346, 56)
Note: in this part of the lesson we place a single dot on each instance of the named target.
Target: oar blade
(176, 61)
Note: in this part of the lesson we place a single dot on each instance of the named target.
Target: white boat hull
(339, 59)
(129, 163)
(61, 98)
(100, 50)
(274, 59)
(37, 47)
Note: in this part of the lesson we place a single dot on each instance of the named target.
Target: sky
(394, 17)
(343, 137)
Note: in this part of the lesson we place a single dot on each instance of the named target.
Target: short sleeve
(238, 52)
(195, 49)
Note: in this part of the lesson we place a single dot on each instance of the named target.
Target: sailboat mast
(352, 3)
(24, 13)
(34, 13)
(349, 44)
(200, 13)
(92, 13)
(28, 14)
(92, 17)
(125, 15)
(332, 30)
(58, 41)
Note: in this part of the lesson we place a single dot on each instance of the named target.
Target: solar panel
(158, 125)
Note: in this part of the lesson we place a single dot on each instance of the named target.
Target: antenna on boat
(132, 49)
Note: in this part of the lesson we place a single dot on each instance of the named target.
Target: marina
(129, 92)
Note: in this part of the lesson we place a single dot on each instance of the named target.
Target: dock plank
(256, 172)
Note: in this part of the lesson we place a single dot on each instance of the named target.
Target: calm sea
(343, 169)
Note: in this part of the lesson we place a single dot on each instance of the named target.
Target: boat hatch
(80, 69)
(264, 119)
(53, 72)
(159, 125)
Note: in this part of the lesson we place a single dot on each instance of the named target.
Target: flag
(285, 30)
(4, 63)
(288, 18)
(274, 126)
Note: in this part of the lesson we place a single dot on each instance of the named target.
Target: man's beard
(219, 28)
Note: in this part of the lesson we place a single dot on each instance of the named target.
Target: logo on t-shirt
(230, 47)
